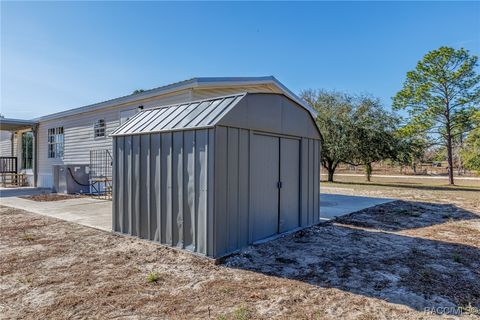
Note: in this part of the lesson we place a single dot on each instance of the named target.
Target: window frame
(100, 129)
(55, 142)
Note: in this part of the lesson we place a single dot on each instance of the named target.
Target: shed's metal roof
(183, 116)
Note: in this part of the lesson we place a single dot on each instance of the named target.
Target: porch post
(12, 142)
(35, 155)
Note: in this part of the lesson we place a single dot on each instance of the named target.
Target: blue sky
(56, 56)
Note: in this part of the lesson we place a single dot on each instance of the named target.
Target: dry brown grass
(384, 263)
(52, 197)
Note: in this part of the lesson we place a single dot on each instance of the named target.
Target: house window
(55, 142)
(99, 128)
(27, 150)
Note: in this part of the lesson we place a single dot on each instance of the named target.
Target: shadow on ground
(410, 185)
(361, 254)
(403, 215)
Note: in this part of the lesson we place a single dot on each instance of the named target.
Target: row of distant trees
(441, 98)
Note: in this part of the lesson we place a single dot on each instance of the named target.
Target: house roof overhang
(7, 124)
(203, 82)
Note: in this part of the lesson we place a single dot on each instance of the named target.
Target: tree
(353, 129)
(409, 151)
(372, 135)
(334, 123)
(471, 150)
(137, 91)
(440, 97)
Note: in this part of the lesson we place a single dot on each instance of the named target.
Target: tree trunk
(331, 166)
(368, 171)
(449, 148)
(450, 160)
(449, 140)
(330, 175)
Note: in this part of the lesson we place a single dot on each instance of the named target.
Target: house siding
(79, 134)
(5, 144)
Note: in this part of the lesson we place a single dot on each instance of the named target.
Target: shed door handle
(279, 184)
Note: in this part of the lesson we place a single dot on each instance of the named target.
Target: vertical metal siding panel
(232, 189)
(166, 185)
(120, 183)
(243, 185)
(201, 180)
(144, 187)
(304, 182)
(221, 218)
(189, 222)
(177, 189)
(316, 181)
(311, 179)
(128, 187)
(155, 192)
(136, 181)
(115, 186)
(211, 209)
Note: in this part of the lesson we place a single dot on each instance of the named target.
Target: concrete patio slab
(86, 211)
(335, 205)
(97, 213)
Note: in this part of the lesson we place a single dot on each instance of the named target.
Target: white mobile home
(34, 146)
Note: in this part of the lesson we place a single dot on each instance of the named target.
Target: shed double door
(275, 185)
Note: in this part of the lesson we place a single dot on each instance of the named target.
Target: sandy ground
(387, 262)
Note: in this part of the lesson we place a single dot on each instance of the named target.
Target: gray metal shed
(215, 175)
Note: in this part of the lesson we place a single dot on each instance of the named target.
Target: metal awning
(7, 124)
(183, 116)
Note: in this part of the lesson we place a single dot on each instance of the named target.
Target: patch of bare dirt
(360, 253)
(386, 265)
(52, 197)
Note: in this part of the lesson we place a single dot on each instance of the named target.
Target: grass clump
(27, 237)
(153, 277)
(241, 313)
(25, 280)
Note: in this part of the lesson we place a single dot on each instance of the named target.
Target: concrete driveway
(97, 213)
(86, 211)
(334, 205)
